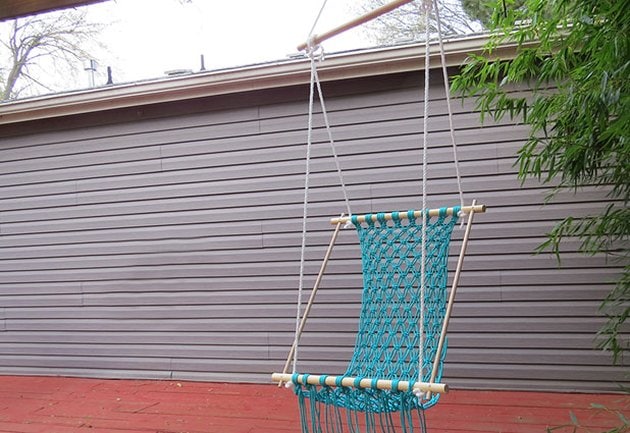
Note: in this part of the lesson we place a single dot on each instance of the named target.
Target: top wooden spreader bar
(315, 40)
(478, 208)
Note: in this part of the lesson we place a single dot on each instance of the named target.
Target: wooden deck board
(74, 405)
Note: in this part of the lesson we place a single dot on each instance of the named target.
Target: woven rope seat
(399, 325)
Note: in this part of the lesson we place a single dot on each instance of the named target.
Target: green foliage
(482, 10)
(575, 55)
(479, 10)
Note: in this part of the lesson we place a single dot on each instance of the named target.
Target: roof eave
(370, 62)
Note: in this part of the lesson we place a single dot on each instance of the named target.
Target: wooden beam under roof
(10, 9)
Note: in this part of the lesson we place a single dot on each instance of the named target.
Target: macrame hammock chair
(400, 347)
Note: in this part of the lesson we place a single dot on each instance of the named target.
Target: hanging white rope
(332, 144)
(309, 139)
(425, 146)
(319, 15)
(447, 90)
(315, 54)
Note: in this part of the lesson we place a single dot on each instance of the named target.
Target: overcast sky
(148, 37)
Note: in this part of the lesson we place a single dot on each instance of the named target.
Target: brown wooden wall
(163, 242)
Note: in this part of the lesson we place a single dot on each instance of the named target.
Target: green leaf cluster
(574, 55)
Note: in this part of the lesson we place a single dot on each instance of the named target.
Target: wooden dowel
(451, 296)
(354, 23)
(307, 310)
(403, 385)
(480, 208)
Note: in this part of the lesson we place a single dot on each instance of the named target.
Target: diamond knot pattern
(387, 343)
(392, 306)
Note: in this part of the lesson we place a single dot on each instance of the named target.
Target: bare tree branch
(61, 38)
(407, 23)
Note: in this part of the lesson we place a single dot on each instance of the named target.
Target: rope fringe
(317, 416)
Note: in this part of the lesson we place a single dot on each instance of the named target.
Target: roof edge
(339, 66)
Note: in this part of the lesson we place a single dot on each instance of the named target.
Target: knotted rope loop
(322, 379)
(355, 220)
(315, 52)
(395, 385)
(293, 383)
(374, 383)
(338, 381)
(410, 217)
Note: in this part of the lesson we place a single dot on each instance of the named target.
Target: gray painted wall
(167, 246)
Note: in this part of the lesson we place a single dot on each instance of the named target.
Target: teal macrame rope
(387, 342)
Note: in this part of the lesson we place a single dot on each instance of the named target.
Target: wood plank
(144, 166)
(127, 135)
(442, 153)
(262, 206)
(232, 181)
(230, 250)
(82, 160)
(154, 405)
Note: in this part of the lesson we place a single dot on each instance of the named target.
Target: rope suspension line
(309, 139)
(447, 91)
(319, 15)
(425, 146)
(315, 54)
(333, 149)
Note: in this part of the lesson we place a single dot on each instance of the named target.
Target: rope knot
(419, 394)
(314, 51)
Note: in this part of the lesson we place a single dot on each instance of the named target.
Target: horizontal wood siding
(168, 247)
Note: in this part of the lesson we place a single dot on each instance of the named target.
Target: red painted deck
(70, 405)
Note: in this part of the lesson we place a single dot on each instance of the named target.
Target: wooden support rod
(403, 385)
(311, 299)
(480, 208)
(316, 39)
(451, 296)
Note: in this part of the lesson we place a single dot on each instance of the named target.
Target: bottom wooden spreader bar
(401, 385)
